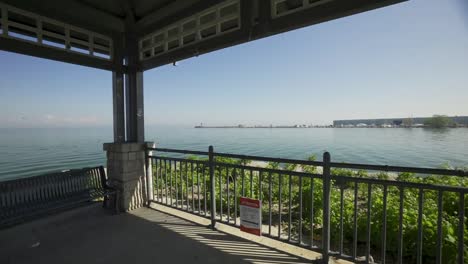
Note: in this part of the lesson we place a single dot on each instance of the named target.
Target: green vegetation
(251, 183)
(439, 121)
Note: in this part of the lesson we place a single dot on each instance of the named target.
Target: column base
(126, 172)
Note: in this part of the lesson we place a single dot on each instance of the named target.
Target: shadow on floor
(92, 235)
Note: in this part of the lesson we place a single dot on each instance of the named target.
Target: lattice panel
(285, 7)
(212, 22)
(26, 26)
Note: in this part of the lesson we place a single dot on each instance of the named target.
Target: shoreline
(296, 127)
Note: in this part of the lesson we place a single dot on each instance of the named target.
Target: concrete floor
(93, 235)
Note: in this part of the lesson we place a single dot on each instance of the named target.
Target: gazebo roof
(98, 33)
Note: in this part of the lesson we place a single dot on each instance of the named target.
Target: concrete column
(126, 170)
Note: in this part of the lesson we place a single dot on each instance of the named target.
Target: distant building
(390, 122)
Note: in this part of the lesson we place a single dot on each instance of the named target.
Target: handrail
(181, 151)
(448, 172)
(358, 166)
(279, 160)
(219, 188)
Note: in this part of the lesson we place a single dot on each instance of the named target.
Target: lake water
(28, 152)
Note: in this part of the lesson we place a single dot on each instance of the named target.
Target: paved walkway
(93, 235)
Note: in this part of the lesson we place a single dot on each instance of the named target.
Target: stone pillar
(127, 173)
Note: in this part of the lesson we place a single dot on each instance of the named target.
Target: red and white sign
(250, 216)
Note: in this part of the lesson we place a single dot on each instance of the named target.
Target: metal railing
(336, 209)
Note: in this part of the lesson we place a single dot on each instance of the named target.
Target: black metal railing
(337, 209)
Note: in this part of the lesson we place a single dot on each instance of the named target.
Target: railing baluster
(400, 228)
(300, 210)
(161, 180)
(170, 182)
(260, 185)
(461, 220)
(205, 198)
(165, 182)
(251, 184)
(176, 184)
(311, 212)
(198, 187)
(355, 222)
(220, 183)
(193, 196)
(289, 207)
(439, 227)
(149, 178)
(384, 225)
(235, 195)
(156, 166)
(213, 186)
(183, 197)
(181, 180)
(280, 176)
(269, 203)
(158, 173)
(243, 182)
(419, 243)
(368, 234)
(228, 194)
(187, 202)
(341, 218)
(326, 207)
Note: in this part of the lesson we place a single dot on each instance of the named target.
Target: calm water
(27, 152)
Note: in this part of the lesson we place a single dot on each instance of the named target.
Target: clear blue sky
(409, 59)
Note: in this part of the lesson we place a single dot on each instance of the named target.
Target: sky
(406, 60)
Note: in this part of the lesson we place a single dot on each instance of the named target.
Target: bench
(28, 198)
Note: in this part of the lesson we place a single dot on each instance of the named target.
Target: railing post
(326, 208)
(213, 186)
(149, 172)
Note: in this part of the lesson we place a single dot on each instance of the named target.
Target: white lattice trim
(51, 33)
(212, 22)
(280, 7)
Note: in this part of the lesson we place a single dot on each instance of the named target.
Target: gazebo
(128, 37)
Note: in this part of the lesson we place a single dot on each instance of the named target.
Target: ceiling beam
(31, 49)
(66, 11)
(171, 13)
(266, 26)
(226, 40)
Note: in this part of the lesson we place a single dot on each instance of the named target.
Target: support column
(118, 91)
(133, 86)
(118, 106)
(126, 164)
(126, 169)
(134, 106)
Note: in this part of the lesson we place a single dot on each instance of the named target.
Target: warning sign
(250, 216)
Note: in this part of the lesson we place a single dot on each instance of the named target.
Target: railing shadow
(142, 236)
